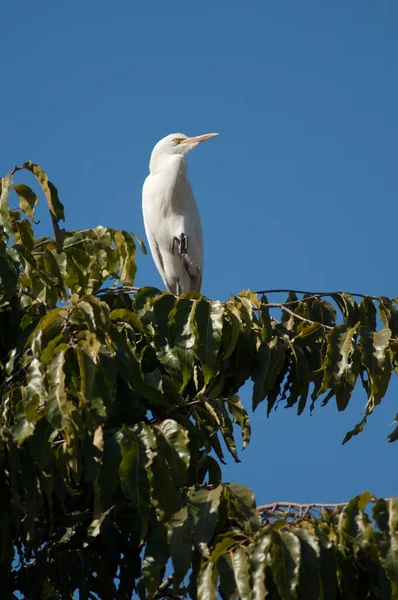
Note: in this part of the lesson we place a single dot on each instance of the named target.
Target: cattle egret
(171, 217)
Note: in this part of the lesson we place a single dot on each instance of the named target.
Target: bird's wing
(169, 213)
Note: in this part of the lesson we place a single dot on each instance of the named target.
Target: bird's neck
(173, 164)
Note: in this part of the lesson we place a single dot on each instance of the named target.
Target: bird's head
(177, 143)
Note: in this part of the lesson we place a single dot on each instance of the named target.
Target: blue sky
(298, 191)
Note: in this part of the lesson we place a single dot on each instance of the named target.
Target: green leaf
(140, 242)
(321, 311)
(259, 377)
(348, 307)
(277, 372)
(265, 319)
(240, 417)
(129, 368)
(22, 232)
(226, 427)
(393, 437)
(391, 560)
(380, 513)
(214, 471)
(388, 314)
(126, 249)
(376, 360)
(155, 559)
(178, 455)
(223, 543)
(180, 543)
(181, 323)
(310, 565)
(5, 184)
(207, 581)
(52, 268)
(240, 565)
(27, 199)
(208, 330)
(368, 313)
(203, 505)
(308, 335)
(227, 584)
(258, 559)
(341, 365)
(108, 480)
(352, 522)
(328, 579)
(285, 555)
(57, 410)
(242, 507)
(54, 204)
(231, 329)
(137, 450)
(127, 316)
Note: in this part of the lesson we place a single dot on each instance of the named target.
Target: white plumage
(171, 217)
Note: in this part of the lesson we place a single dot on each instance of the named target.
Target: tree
(113, 404)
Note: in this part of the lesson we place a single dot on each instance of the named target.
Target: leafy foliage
(117, 406)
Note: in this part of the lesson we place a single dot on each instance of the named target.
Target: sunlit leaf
(27, 199)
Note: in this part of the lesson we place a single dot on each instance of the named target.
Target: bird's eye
(177, 140)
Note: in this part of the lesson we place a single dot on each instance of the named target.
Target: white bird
(171, 217)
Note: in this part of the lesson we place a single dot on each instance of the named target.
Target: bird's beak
(199, 138)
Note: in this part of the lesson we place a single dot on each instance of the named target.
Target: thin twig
(313, 294)
(274, 506)
(118, 290)
(293, 314)
(12, 378)
(31, 296)
(163, 588)
(45, 241)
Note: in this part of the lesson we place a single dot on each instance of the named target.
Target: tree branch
(298, 511)
(162, 590)
(312, 294)
(293, 314)
(118, 290)
(12, 378)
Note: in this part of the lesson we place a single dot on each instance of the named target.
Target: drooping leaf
(286, 555)
(208, 334)
(175, 446)
(368, 313)
(27, 199)
(240, 565)
(389, 314)
(376, 360)
(391, 559)
(260, 374)
(203, 507)
(310, 565)
(57, 410)
(180, 543)
(54, 204)
(137, 451)
(155, 559)
(341, 365)
(207, 581)
(348, 307)
(258, 559)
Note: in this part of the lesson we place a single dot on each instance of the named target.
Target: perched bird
(171, 217)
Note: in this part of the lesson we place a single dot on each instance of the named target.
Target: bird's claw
(182, 245)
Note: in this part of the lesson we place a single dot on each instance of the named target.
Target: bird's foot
(181, 243)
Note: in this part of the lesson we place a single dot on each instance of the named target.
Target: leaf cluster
(117, 409)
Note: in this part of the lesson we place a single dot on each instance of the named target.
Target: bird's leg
(182, 244)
